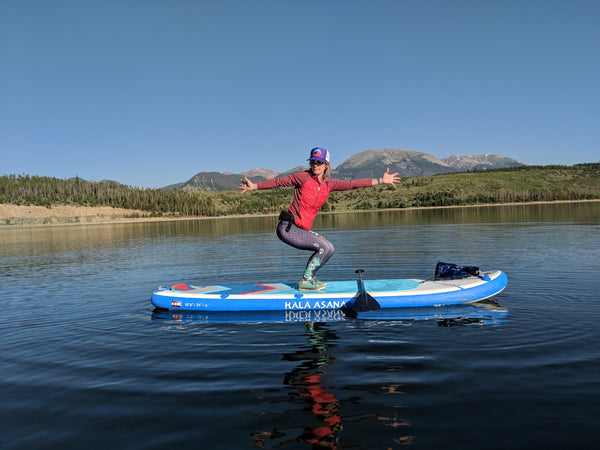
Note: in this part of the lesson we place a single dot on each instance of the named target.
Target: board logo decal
(323, 304)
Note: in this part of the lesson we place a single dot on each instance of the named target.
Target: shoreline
(67, 215)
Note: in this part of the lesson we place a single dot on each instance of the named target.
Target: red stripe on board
(181, 287)
(266, 288)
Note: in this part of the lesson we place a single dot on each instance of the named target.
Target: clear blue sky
(150, 92)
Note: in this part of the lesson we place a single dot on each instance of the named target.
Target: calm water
(86, 363)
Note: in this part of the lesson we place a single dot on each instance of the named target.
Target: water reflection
(326, 315)
(306, 388)
(480, 313)
(128, 231)
(486, 312)
(312, 407)
(326, 417)
(553, 212)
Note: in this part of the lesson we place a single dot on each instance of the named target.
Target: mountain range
(366, 164)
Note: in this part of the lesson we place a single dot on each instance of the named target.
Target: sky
(151, 92)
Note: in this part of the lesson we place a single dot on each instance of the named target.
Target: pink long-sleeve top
(310, 194)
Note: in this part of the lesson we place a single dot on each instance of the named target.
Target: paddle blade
(365, 302)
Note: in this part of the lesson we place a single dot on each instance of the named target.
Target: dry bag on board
(449, 271)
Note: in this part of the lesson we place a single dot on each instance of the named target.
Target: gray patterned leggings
(307, 240)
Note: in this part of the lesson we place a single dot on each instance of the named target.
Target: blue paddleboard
(391, 293)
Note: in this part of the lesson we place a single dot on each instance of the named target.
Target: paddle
(364, 301)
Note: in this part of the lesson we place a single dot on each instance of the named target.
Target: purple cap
(320, 154)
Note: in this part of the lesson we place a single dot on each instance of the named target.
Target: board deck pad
(335, 287)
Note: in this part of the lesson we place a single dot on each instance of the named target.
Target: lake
(87, 363)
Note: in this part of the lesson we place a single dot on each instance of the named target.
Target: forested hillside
(519, 184)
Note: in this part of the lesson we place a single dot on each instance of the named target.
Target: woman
(312, 188)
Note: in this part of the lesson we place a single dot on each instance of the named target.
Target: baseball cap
(320, 154)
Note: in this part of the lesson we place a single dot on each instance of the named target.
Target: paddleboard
(390, 293)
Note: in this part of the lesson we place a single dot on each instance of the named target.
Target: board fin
(364, 301)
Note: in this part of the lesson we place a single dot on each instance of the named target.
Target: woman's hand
(247, 185)
(390, 178)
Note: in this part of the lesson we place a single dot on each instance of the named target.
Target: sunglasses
(314, 162)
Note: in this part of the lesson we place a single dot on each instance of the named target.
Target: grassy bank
(515, 185)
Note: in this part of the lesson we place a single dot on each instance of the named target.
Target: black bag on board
(449, 271)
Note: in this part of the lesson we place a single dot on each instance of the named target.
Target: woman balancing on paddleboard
(312, 188)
